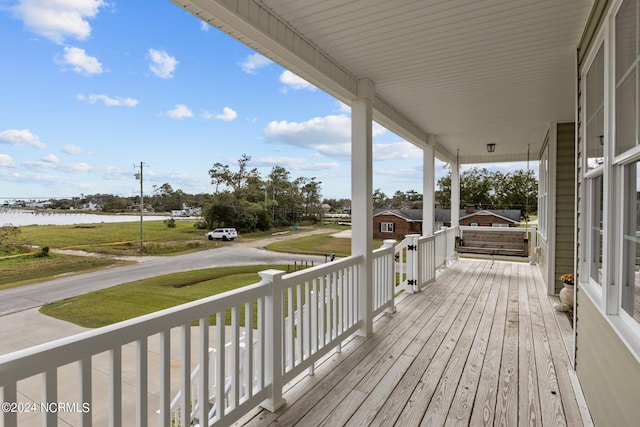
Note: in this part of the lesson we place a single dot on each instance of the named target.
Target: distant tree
(380, 200)
(494, 190)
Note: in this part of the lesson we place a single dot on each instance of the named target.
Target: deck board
(480, 346)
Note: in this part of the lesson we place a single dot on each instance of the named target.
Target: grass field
(120, 239)
(138, 298)
(22, 270)
(318, 244)
(117, 238)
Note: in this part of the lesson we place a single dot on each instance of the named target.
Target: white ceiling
(470, 72)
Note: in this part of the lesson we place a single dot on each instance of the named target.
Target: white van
(222, 233)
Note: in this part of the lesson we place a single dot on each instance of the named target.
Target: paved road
(29, 296)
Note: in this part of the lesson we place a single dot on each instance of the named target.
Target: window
(626, 76)
(630, 286)
(496, 225)
(594, 95)
(387, 227)
(595, 226)
(627, 165)
(594, 154)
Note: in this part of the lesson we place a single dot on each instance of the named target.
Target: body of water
(18, 217)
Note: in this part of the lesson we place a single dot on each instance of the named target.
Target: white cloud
(228, 114)
(396, 150)
(21, 137)
(294, 163)
(51, 162)
(295, 82)
(50, 158)
(343, 108)
(205, 26)
(181, 111)
(72, 149)
(108, 100)
(80, 62)
(58, 19)
(254, 62)
(162, 64)
(6, 161)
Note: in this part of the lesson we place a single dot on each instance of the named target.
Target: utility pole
(139, 176)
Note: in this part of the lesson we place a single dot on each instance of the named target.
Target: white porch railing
(418, 258)
(235, 350)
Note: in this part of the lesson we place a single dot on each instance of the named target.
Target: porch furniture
(493, 242)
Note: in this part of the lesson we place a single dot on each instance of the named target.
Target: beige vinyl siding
(565, 201)
(608, 372)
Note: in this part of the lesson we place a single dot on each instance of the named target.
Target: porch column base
(272, 406)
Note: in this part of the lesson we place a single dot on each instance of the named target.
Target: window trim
(387, 227)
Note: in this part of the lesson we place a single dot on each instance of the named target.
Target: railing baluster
(220, 366)
(203, 379)
(165, 377)
(289, 344)
(10, 395)
(322, 308)
(142, 373)
(247, 359)
(84, 390)
(299, 329)
(235, 362)
(185, 375)
(50, 395)
(313, 312)
(115, 386)
(261, 343)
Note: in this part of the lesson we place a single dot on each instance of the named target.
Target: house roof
(512, 215)
(452, 74)
(444, 215)
(411, 215)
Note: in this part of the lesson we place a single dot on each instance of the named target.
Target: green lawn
(25, 269)
(318, 244)
(138, 298)
(117, 238)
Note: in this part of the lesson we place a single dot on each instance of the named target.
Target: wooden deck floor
(481, 346)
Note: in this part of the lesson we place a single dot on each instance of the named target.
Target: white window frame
(543, 192)
(387, 227)
(608, 298)
(590, 286)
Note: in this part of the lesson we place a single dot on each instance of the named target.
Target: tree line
(244, 199)
(492, 190)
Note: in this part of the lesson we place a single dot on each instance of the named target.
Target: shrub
(170, 223)
(44, 252)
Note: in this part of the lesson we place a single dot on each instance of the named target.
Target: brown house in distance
(397, 223)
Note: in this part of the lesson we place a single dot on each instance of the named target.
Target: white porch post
(428, 190)
(455, 194)
(361, 193)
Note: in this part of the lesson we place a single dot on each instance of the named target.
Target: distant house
(397, 223)
(136, 207)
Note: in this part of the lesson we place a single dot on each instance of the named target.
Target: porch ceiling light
(491, 148)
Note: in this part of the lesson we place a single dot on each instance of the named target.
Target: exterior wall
(402, 227)
(609, 374)
(565, 202)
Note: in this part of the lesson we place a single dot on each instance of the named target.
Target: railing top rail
(313, 272)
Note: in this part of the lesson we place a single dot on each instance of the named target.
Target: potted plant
(566, 293)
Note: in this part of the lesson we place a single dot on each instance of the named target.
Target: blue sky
(90, 88)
